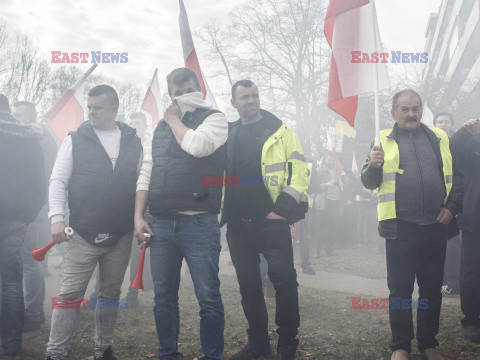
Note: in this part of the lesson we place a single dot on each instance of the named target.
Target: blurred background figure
(38, 233)
(451, 277)
(22, 195)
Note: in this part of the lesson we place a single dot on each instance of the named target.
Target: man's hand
(142, 227)
(273, 216)
(472, 126)
(58, 232)
(445, 216)
(376, 156)
(173, 113)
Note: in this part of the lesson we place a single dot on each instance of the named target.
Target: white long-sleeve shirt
(203, 141)
(62, 170)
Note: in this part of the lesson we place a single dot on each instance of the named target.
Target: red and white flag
(190, 56)
(351, 25)
(152, 102)
(67, 113)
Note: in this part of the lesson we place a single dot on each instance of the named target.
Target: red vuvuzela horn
(39, 253)
(137, 282)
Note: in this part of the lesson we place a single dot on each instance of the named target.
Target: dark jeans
(12, 236)
(32, 269)
(418, 251)
(197, 239)
(451, 274)
(470, 289)
(248, 239)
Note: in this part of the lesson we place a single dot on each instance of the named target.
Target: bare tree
(280, 45)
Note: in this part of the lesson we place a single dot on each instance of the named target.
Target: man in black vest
(188, 145)
(97, 166)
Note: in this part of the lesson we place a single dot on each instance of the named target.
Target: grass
(330, 329)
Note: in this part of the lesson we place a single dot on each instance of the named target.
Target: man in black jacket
(266, 157)
(420, 192)
(466, 143)
(22, 194)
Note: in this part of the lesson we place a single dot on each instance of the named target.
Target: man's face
(407, 112)
(329, 159)
(444, 123)
(23, 114)
(139, 125)
(101, 112)
(247, 102)
(185, 88)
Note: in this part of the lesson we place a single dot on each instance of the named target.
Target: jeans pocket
(206, 220)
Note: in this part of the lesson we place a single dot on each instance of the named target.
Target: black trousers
(248, 239)
(470, 286)
(418, 251)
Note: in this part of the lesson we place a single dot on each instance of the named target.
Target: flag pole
(375, 78)
(84, 77)
(153, 78)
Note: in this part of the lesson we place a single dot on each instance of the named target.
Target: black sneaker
(286, 349)
(107, 355)
(472, 333)
(253, 351)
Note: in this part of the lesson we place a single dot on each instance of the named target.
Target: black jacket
(372, 178)
(22, 174)
(467, 151)
(285, 204)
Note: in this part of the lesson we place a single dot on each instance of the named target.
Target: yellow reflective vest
(386, 193)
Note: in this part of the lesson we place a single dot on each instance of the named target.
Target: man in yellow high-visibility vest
(419, 194)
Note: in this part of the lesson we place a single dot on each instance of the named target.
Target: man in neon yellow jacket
(419, 194)
(266, 192)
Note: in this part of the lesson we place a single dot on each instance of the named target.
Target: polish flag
(67, 113)
(351, 25)
(190, 56)
(152, 101)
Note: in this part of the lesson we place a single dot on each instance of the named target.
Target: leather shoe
(400, 355)
(431, 354)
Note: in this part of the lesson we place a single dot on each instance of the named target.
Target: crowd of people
(115, 186)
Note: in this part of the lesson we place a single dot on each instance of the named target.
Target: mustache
(411, 119)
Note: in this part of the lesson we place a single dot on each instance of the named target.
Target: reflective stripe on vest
(386, 208)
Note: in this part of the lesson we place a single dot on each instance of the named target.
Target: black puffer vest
(102, 199)
(176, 181)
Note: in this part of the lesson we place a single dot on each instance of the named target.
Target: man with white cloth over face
(188, 144)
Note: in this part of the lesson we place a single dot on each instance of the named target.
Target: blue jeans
(32, 269)
(197, 239)
(12, 235)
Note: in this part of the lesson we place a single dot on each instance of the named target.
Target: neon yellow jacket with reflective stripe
(386, 193)
(283, 167)
(283, 159)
